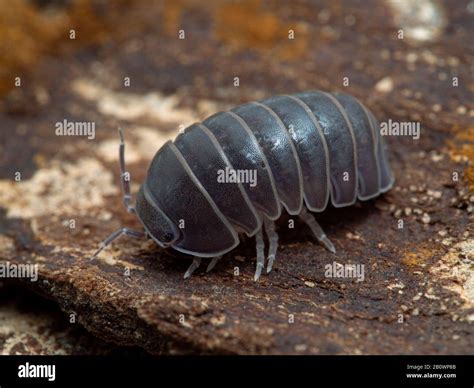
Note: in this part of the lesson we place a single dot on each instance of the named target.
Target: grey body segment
(242, 149)
(386, 176)
(310, 145)
(366, 145)
(204, 229)
(341, 145)
(207, 160)
(279, 150)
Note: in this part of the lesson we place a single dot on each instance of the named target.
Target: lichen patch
(64, 188)
(29, 330)
(141, 144)
(422, 20)
(130, 106)
(457, 267)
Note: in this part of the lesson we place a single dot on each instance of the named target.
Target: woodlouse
(303, 148)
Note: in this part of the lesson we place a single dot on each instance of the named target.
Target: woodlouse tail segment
(318, 232)
(115, 235)
(125, 175)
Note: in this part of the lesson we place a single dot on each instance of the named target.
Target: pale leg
(309, 219)
(194, 265)
(273, 240)
(260, 254)
(213, 263)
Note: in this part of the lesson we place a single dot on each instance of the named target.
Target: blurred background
(154, 67)
(69, 54)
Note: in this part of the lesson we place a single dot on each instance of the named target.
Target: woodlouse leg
(115, 235)
(194, 265)
(309, 219)
(125, 176)
(260, 254)
(273, 239)
(213, 263)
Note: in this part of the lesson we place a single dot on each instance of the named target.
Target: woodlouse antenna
(125, 175)
(127, 201)
(115, 235)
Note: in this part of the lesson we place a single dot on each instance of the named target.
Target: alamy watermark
(18, 271)
(229, 175)
(400, 128)
(345, 271)
(75, 128)
(32, 371)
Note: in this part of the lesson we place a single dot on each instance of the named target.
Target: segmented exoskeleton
(302, 149)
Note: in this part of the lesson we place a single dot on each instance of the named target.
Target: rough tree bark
(418, 292)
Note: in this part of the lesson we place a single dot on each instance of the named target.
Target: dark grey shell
(306, 147)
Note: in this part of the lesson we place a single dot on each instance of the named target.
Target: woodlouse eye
(168, 237)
